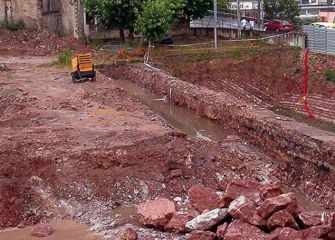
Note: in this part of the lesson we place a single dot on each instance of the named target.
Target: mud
(306, 152)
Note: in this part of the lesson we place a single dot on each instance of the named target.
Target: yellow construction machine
(82, 68)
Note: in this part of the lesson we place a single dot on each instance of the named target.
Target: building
(65, 17)
(317, 8)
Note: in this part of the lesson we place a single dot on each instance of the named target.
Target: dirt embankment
(263, 75)
(32, 43)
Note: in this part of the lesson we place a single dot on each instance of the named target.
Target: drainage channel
(184, 119)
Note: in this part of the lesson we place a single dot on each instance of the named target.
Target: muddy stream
(184, 119)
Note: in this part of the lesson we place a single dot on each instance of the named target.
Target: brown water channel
(184, 119)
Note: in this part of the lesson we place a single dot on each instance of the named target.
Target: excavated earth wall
(280, 136)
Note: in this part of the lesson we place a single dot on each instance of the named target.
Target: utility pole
(215, 24)
(239, 32)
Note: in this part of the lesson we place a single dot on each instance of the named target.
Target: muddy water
(63, 230)
(181, 118)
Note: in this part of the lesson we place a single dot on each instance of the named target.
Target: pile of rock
(246, 210)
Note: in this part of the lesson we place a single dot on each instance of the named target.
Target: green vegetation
(283, 9)
(157, 17)
(64, 58)
(13, 26)
(126, 14)
(329, 75)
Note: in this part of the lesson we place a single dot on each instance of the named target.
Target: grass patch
(329, 75)
(13, 26)
(65, 57)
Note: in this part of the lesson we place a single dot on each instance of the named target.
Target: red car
(278, 25)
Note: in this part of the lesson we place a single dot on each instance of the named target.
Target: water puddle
(181, 118)
(63, 229)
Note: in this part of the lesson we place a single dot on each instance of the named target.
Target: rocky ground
(90, 153)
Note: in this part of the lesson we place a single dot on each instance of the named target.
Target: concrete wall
(327, 16)
(27, 11)
(2, 11)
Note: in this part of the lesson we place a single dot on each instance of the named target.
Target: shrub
(13, 26)
(329, 75)
(64, 58)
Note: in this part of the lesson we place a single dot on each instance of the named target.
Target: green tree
(283, 9)
(194, 9)
(121, 14)
(157, 17)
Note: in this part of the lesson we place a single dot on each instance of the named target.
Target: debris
(156, 213)
(207, 220)
(42, 230)
(201, 235)
(178, 222)
(203, 198)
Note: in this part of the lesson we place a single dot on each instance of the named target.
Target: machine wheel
(74, 80)
(93, 78)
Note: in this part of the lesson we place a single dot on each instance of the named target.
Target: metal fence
(320, 39)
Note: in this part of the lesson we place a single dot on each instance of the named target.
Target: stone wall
(2, 11)
(25, 10)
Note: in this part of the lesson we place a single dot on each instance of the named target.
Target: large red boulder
(178, 222)
(285, 233)
(239, 230)
(285, 201)
(156, 213)
(243, 208)
(239, 187)
(42, 230)
(282, 218)
(203, 198)
(312, 218)
(201, 235)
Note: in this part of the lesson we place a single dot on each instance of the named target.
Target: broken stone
(243, 208)
(270, 191)
(203, 198)
(178, 222)
(239, 230)
(176, 173)
(42, 230)
(207, 220)
(156, 213)
(282, 219)
(239, 187)
(285, 201)
(285, 233)
(201, 235)
(127, 234)
(320, 231)
(221, 230)
(311, 218)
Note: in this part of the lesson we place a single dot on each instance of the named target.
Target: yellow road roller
(83, 68)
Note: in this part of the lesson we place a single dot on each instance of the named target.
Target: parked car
(165, 40)
(278, 25)
(323, 25)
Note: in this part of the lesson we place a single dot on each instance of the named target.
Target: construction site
(195, 143)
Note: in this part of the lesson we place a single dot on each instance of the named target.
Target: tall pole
(239, 32)
(215, 24)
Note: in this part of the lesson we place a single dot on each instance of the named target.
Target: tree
(157, 17)
(195, 9)
(283, 9)
(121, 14)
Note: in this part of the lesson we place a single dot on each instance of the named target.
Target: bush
(13, 26)
(64, 58)
(329, 75)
